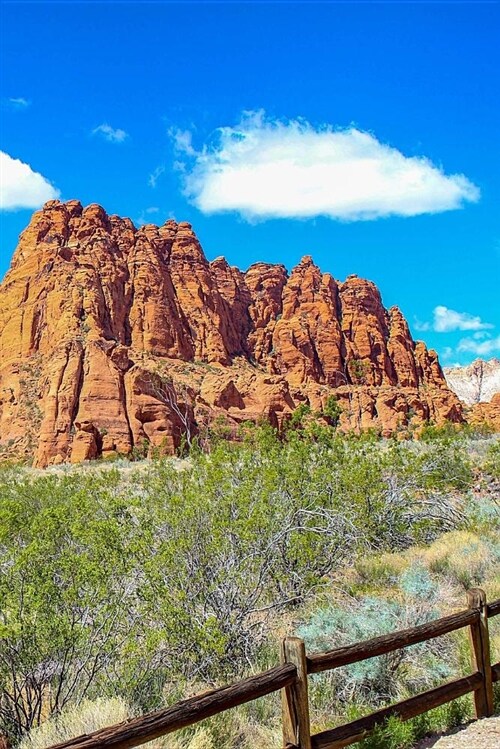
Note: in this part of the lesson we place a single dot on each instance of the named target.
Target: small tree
(64, 593)
(358, 371)
(297, 417)
(332, 410)
(177, 398)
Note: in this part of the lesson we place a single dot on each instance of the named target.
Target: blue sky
(364, 134)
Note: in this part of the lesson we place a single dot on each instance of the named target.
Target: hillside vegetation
(127, 586)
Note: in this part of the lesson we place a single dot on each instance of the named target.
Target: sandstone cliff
(114, 338)
(485, 413)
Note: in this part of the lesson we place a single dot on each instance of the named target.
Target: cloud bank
(21, 187)
(447, 320)
(480, 348)
(111, 134)
(267, 168)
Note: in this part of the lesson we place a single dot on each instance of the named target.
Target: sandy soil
(481, 734)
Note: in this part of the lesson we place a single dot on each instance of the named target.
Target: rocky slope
(485, 413)
(114, 338)
(476, 383)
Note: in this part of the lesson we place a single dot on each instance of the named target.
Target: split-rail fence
(291, 677)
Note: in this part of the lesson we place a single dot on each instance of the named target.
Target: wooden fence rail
(291, 677)
(153, 725)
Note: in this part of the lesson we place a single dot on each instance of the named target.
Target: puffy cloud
(446, 320)
(110, 133)
(480, 348)
(267, 168)
(21, 187)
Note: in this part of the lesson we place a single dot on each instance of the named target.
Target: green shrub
(393, 735)
(332, 410)
(492, 462)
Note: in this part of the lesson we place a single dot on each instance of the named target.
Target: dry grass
(76, 720)
(225, 731)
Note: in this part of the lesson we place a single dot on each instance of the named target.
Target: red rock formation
(486, 414)
(114, 338)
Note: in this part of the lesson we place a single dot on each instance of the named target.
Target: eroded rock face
(486, 413)
(476, 383)
(114, 338)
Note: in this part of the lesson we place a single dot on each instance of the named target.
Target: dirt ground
(481, 734)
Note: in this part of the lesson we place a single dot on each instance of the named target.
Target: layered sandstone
(114, 338)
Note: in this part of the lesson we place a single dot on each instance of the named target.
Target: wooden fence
(292, 678)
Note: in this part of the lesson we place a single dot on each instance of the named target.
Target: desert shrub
(483, 514)
(439, 465)
(449, 430)
(492, 461)
(250, 529)
(384, 678)
(64, 590)
(395, 734)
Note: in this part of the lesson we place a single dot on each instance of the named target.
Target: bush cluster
(118, 583)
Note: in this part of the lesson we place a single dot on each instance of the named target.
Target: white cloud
(18, 103)
(155, 176)
(267, 168)
(110, 133)
(183, 141)
(446, 320)
(21, 187)
(479, 348)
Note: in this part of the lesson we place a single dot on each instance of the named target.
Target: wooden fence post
(480, 646)
(295, 700)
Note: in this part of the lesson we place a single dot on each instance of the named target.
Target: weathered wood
(360, 651)
(410, 708)
(495, 672)
(480, 653)
(147, 727)
(494, 608)
(295, 699)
